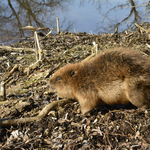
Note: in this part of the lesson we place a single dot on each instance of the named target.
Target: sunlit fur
(116, 76)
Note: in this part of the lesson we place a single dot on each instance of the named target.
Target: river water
(91, 16)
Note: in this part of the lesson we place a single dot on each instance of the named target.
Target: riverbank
(27, 93)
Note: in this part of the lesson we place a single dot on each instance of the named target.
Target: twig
(92, 55)
(32, 28)
(95, 47)
(141, 28)
(42, 114)
(147, 45)
(128, 35)
(49, 33)
(36, 49)
(7, 75)
(3, 91)
(144, 53)
(58, 30)
(9, 48)
(44, 59)
(38, 45)
(107, 131)
(88, 58)
(39, 54)
(136, 5)
(116, 30)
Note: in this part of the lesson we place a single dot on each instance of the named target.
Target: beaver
(115, 76)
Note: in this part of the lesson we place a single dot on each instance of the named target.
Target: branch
(9, 48)
(42, 114)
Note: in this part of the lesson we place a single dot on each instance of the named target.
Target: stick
(58, 31)
(88, 58)
(9, 48)
(141, 28)
(42, 114)
(92, 55)
(7, 75)
(38, 45)
(48, 33)
(36, 49)
(3, 91)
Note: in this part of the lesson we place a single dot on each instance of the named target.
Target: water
(91, 16)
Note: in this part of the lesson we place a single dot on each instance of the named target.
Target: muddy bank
(27, 93)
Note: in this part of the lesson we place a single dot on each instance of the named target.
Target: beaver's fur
(116, 76)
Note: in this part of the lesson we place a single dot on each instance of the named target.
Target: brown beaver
(117, 76)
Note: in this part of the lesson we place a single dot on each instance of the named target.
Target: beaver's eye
(58, 78)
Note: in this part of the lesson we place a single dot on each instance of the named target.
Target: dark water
(91, 16)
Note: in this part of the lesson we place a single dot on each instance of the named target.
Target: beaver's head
(64, 80)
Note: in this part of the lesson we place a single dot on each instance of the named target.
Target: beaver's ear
(73, 73)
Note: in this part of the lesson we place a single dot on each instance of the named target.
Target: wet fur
(116, 76)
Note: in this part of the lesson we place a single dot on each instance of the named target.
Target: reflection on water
(99, 16)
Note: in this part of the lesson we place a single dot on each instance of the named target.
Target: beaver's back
(116, 64)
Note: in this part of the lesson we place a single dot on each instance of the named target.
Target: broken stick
(42, 114)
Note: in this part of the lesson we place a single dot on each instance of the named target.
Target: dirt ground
(116, 127)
